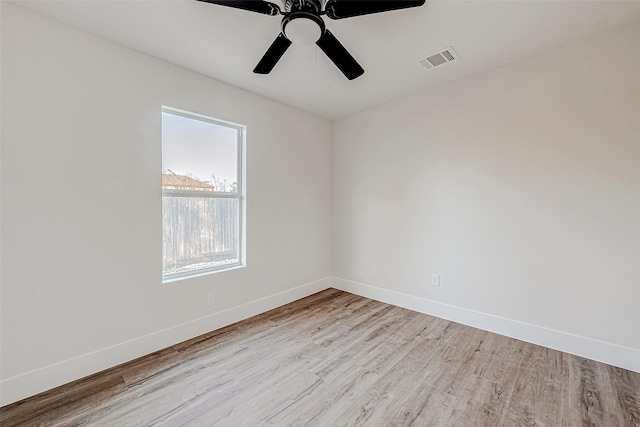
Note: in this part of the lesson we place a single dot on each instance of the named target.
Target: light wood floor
(337, 359)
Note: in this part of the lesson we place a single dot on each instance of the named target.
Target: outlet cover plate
(435, 280)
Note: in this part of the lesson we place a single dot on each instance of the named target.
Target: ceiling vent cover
(445, 55)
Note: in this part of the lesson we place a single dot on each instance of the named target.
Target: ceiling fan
(302, 23)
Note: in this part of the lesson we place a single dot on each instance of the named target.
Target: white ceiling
(226, 43)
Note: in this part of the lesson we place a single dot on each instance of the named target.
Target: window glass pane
(198, 155)
(199, 232)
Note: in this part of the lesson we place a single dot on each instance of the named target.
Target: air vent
(437, 59)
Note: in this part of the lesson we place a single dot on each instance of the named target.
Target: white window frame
(240, 195)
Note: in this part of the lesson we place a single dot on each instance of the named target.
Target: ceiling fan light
(303, 31)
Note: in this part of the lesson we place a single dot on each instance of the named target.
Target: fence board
(199, 230)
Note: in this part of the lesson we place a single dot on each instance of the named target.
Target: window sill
(176, 277)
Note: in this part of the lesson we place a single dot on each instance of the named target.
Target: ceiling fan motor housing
(312, 6)
(302, 23)
(302, 27)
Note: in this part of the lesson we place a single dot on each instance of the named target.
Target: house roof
(173, 181)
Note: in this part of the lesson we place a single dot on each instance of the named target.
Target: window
(202, 195)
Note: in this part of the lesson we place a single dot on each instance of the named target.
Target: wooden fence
(199, 230)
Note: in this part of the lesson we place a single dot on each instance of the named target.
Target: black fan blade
(258, 6)
(273, 55)
(339, 55)
(338, 9)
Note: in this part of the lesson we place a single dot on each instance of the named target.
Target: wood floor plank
(502, 357)
(337, 359)
(265, 399)
(393, 390)
(453, 367)
(482, 403)
(542, 378)
(427, 406)
(48, 408)
(624, 388)
(587, 392)
(331, 399)
(248, 377)
(361, 343)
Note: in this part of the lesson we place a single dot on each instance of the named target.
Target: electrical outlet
(210, 299)
(435, 280)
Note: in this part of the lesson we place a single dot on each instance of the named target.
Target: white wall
(520, 187)
(81, 205)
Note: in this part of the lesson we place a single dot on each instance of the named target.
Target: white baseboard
(42, 379)
(612, 354)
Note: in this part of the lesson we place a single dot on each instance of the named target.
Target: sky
(199, 148)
